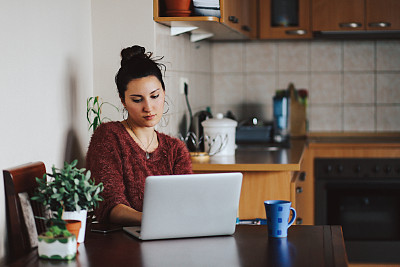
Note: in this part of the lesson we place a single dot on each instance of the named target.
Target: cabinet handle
(246, 28)
(302, 176)
(380, 24)
(296, 32)
(350, 25)
(299, 221)
(299, 189)
(233, 19)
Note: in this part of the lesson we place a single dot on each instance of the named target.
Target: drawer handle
(246, 28)
(380, 24)
(299, 189)
(299, 221)
(296, 32)
(350, 25)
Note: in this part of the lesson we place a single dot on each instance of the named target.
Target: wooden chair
(17, 180)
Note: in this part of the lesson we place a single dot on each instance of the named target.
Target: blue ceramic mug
(278, 212)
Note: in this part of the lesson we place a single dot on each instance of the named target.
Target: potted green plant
(70, 189)
(58, 242)
(94, 106)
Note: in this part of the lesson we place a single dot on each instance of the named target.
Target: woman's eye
(155, 96)
(137, 100)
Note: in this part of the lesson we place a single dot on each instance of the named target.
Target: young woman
(122, 154)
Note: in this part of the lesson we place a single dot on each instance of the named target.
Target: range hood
(367, 34)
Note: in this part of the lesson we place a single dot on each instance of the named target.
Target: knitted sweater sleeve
(104, 161)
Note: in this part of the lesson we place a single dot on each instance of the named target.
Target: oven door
(369, 213)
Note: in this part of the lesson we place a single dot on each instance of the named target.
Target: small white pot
(62, 248)
(220, 136)
(80, 216)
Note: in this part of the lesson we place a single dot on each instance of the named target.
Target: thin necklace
(146, 148)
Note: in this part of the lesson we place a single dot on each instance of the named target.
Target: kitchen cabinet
(383, 15)
(238, 21)
(355, 15)
(249, 14)
(285, 19)
(302, 191)
(240, 15)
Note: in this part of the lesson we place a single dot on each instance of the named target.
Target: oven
(363, 196)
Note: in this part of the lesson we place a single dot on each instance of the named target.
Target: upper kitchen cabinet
(355, 15)
(240, 15)
(383, 14)
(285, 19)
(238, 20)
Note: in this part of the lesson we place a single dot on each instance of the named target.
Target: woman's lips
(150, 117)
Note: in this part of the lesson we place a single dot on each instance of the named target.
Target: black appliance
(195, 137)
(363, 196)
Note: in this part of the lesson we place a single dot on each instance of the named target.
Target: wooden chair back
(18, 180)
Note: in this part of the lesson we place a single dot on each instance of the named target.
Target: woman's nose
(146, 106)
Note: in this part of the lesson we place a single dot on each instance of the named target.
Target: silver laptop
(191, 205)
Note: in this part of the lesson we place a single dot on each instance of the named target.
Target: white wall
(117, 24)
(45, 78)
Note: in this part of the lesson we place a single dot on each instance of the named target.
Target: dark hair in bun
(136, 63)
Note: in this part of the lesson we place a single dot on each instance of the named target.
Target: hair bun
(133, 52)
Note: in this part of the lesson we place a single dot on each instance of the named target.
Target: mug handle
(293, 217)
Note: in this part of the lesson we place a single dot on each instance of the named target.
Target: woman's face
(144, 101)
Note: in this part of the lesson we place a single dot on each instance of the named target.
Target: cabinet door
(230, 13)
(284, 19)
(338, 15)
(383, 14)
(248, 18)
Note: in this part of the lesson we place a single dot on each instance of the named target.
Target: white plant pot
(62, 248)
(80, 216)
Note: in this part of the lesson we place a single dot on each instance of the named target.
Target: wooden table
(305, 245)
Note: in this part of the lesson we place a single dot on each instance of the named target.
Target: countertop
(257, 158)
(354, 138)
(264, 157)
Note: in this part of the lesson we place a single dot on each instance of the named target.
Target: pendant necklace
(146, 148)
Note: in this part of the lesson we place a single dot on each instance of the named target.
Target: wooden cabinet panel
(353, 15)
(304, 193)
(260, 186)
(249, 17)
(269, 31)
(230, 13)
(383, 14)
(240, 15)
(338, 15)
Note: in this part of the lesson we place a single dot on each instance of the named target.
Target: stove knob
(340, 168)
(377, 169)
(357, 169)
(329, 168)
(387, 169)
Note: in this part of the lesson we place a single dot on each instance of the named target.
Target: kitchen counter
(354, 138)
(257, 158)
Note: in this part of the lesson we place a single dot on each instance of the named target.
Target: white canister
(219, 136)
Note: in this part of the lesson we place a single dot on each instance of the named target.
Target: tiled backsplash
(353, 85)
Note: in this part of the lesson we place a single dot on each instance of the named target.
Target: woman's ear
(123, 102)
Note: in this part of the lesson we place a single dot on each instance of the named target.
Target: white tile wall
(326, 56)
(353, 85)
(189, 60)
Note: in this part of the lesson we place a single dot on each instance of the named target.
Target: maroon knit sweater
(117, 161)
